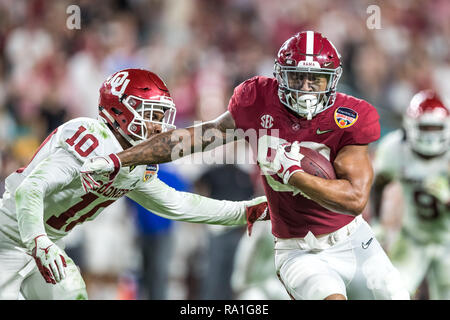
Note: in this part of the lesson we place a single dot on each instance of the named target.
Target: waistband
(311, 242)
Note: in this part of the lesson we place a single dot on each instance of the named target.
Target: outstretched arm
(160, 148)
(169, 146)
(169, 203)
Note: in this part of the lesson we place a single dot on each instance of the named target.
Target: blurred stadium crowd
(202, 49)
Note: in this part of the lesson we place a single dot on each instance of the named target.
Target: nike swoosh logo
(367, 244)
(318, 131)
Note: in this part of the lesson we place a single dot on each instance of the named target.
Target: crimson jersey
(256, 108)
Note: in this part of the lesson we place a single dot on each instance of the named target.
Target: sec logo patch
(267, 121)
(345, 117)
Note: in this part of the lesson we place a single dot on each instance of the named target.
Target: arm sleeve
(50, 175)
(169, 203)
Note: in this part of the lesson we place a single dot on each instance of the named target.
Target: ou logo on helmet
(267, 121)
(119, 83)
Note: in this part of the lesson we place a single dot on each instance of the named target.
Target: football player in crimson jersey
(323, 247)
(418, 157)
(45, 200)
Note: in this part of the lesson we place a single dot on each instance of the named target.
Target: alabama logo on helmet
(150, 170)
(345, 117)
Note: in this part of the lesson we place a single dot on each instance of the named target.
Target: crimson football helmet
(129, 98)
(427, 124)
(303, 64)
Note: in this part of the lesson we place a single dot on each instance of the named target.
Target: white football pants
(349, 261)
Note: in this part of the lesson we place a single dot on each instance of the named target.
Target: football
(316, 164)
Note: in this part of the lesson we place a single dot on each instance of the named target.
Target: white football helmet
(427, 124)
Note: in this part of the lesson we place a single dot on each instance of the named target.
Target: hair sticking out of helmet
(307, 68)
(427, 124)
(129, 100)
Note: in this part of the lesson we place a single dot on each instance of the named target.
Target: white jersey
(47, 197)
(425, 218)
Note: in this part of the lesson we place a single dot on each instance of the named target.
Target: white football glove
(98, 167)
(49, 259)
(286, 161)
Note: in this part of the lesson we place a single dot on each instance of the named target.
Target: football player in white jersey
(45, 200)
(418, 158)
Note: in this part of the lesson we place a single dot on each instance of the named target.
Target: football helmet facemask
(427, 124)
(307, 68)
(129, 99)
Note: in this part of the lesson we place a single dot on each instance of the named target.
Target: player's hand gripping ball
(292, 158)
